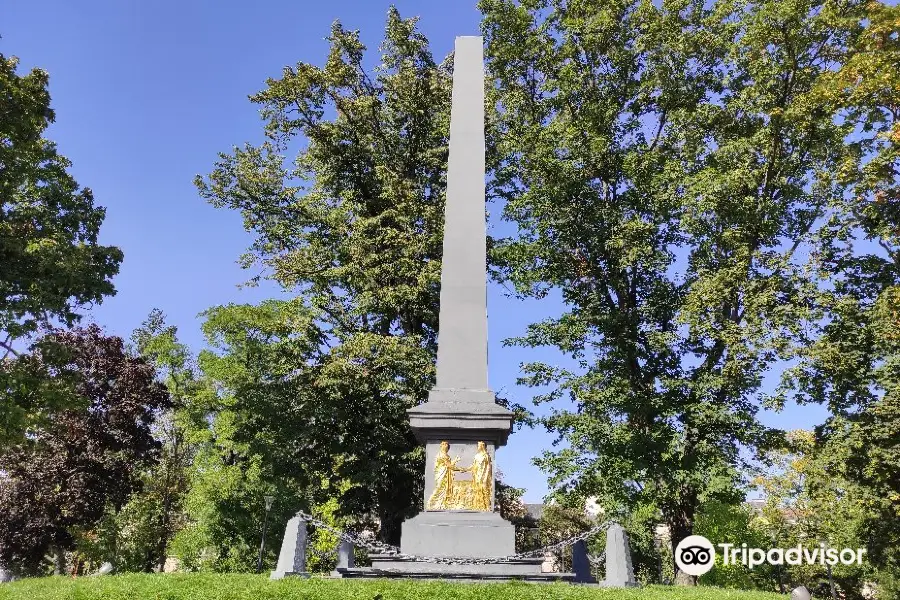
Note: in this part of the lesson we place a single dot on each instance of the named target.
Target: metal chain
(324, 555)
(376, 547)
(584, 535)
(598, 560)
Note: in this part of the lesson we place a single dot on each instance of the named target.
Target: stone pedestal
(292, 558)
(458, 534)
(619, 572)
(346, 559)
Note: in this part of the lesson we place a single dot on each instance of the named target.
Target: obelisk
(461, 424)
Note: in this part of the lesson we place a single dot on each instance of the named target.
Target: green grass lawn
(251, 587)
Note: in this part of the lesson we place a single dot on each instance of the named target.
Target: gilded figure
(467, 494)
(482, 479)
(442, 496)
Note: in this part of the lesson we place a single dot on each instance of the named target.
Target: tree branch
(9, 349)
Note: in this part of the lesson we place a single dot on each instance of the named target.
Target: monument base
(370, 573)
(453, 533)
(528, 569)
(457, 534)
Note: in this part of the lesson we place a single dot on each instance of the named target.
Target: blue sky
(147, 93)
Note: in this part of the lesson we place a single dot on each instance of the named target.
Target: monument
(461, 424)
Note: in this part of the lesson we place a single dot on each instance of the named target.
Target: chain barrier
(376, 547)
(324, 555)
(597, 560)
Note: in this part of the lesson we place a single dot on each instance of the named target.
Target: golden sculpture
(442, 496)
(462, 494)
(482, 479)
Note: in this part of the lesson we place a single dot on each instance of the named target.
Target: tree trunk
(681, 525)
(163, 543)
(391, 523)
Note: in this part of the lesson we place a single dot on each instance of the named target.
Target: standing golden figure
(467, 494)
(442, 496)
(482, 479)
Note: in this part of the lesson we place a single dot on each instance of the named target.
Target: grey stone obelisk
(461, 399)
(462, 349)
(461, 409)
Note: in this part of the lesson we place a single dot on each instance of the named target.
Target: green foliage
(509, 503)
(352, 227)
(151, 519)
(87, 458)
(228, 587)
(641, 524)
(669, 167)
(50, 260)
(850, 358)
(322, 550)
(32, 390)
(737, 524)
(203, 503)
(808, 500)
(225, 511)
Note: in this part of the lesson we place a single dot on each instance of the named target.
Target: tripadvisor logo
(695, 555)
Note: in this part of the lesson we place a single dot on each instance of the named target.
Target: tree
(666, 167)
(810, 500)
(352, 226)
(139, 534)
(50, 260)
(87, 458)
(719, 523)
(510, 506)
(850, 358)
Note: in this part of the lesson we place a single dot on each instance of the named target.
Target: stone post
(619, 572)
(346, 559)
(800, 593)
(581, 566)
(292, 558)
(105, 569)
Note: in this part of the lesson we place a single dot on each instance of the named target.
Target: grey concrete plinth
(461, 414)
(619, 571)
(346, 559)
(388, 570)
(453, 533)
(507, 569)
(292, 558)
